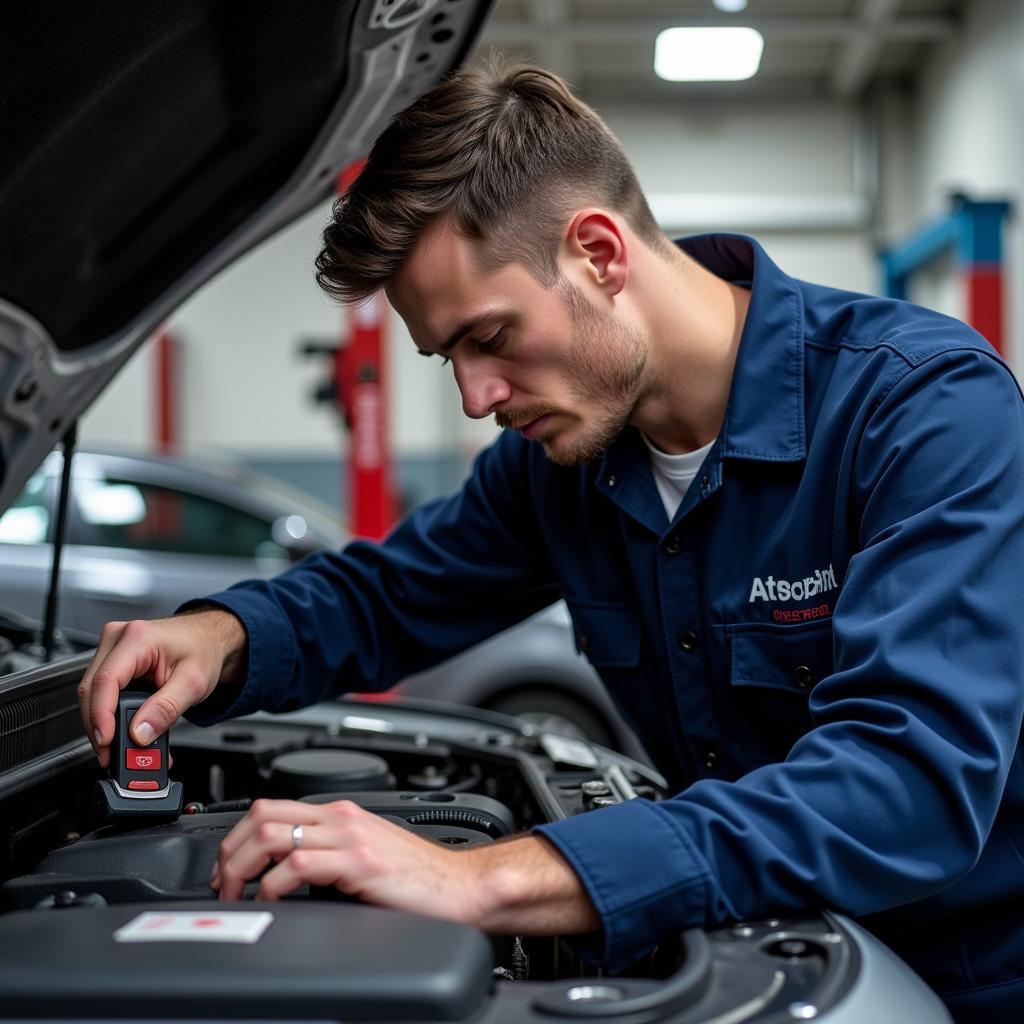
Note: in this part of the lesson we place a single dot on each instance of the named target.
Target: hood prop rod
(50, 619)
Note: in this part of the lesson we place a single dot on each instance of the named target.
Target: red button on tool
(143, 784)
(147, 760)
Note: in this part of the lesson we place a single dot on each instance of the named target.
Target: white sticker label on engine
(181, 926)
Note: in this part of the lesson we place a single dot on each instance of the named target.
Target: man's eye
(494, 342)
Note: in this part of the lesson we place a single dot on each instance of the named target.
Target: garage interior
(875, 148)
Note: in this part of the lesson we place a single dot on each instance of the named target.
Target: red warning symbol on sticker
(227, 926)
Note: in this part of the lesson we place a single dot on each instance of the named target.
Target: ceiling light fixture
(730, 6)
(707, 54)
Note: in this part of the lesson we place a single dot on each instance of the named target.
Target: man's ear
(597, 238)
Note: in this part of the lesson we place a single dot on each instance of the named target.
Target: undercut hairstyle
(506, 154)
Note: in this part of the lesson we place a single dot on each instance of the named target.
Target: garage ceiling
(813, 48)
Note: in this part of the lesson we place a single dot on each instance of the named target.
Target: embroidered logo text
(771, 589)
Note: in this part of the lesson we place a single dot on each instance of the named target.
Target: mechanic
(787, 521)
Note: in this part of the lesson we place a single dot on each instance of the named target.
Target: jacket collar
(764, 418)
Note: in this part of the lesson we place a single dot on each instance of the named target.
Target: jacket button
(673, 545)
(687, 640)
(584, 644)
(802, 675)
(711, 761)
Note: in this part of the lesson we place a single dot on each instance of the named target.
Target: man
(819, 640)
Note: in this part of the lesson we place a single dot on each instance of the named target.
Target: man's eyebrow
(466, 327)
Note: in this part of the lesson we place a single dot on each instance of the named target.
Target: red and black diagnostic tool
(139, 786)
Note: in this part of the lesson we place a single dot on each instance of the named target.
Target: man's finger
(103, 703)
(132, 656)
(290, 812)
(313, 867)
(159, 712)
(181, 685)
(108, 638)
(271, 841)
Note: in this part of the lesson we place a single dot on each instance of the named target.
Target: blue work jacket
(822, 650)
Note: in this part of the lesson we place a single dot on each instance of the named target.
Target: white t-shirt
(674, 473)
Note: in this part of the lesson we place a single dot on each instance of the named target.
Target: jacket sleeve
(890, 797)
(454, 572)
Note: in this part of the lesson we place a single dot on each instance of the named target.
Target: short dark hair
(504, 151)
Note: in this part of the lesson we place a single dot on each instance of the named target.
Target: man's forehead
(443, 260)
(443, 286)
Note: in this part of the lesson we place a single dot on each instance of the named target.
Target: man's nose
(482, 390)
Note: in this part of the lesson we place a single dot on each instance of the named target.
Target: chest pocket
(772, 670)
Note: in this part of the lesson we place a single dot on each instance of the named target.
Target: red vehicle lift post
(358, 387)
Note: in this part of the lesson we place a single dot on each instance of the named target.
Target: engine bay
(75, 885)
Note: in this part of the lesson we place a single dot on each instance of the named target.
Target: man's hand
(185, 656)
(521, 886)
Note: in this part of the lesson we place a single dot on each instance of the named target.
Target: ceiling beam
(861, 51)
(696, 211)
(552, 44)
(654, 93)
(924, 29)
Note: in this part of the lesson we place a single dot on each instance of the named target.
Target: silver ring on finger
(296, 836)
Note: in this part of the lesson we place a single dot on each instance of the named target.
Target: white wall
(801, 150)
(788, 148)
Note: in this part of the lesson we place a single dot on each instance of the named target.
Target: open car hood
(147, 146)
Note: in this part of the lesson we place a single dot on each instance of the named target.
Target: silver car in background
(145, 534)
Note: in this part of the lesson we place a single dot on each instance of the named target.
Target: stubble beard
(608, 359)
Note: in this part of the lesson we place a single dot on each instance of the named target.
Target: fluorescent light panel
(707, 54)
